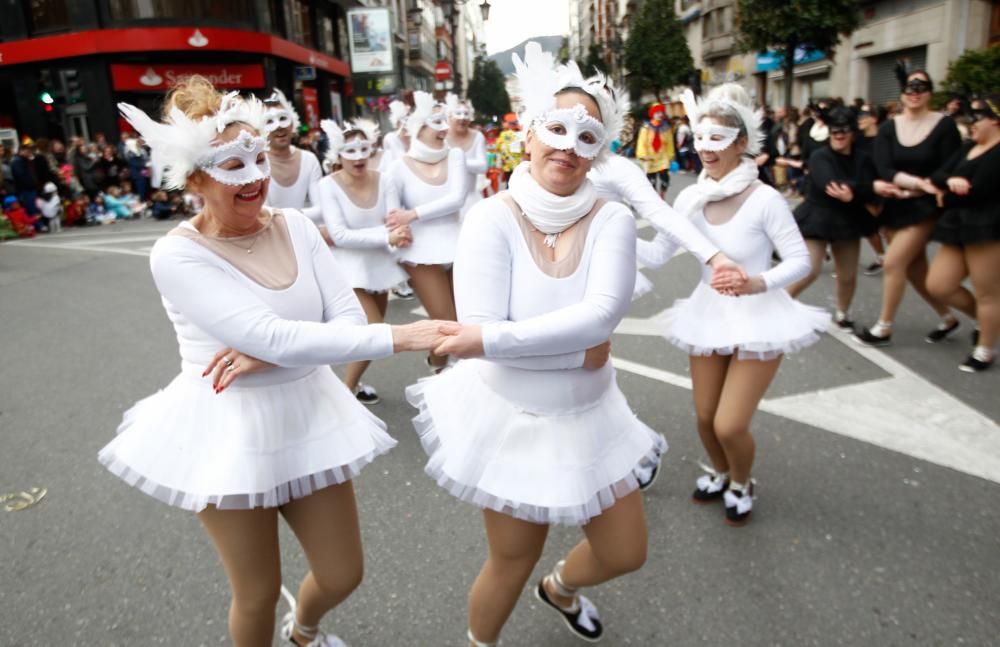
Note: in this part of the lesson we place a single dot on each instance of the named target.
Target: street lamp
(485, 9)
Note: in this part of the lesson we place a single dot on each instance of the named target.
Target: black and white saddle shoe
(739, 505)
(581, 618)
(710, 486)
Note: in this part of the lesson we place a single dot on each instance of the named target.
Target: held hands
(461, 341)
(727, 274)
(229, 364)
(401, 237)
(889, 190)
(959, 185)
(839, 191)
(400, 217)
(733, 284)
(422, 335)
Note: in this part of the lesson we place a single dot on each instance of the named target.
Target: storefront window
(49, 15)
(183, 9)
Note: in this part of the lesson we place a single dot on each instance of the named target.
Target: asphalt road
(875, 524)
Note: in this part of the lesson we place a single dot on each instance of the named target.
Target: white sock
(839, 316)
(739, 487)
(983, 353)
(881, 328)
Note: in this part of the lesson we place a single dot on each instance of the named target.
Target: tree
(976, 72)
(787, 25)
(656, 54)
(595, 60)
(487, 90)
(564, 53)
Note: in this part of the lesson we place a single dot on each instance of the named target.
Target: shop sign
(370, 37)
(770, 60)
(153, 78)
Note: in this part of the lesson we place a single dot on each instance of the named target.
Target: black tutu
(820, 222)
(968, 226)
(897, 214)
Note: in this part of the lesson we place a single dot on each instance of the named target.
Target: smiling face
(234, 202)
(561, 172)
(841, 139)
(718, 163)
(917, 91)
(985, 126)
(434, 133)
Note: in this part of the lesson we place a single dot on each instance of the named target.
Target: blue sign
(770, 60)
(305, 73)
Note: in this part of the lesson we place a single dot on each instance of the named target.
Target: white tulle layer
(758, 326)
(246, 447)
(549, 469)
(373, 270)
(434, 241)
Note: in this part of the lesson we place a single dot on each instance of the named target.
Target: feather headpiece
(423, 107)
(366, 126)
(334, 138)
(179, 145)
(277, 96)
(397, 112)
(452, 101)
(729, 97)
(539, 79)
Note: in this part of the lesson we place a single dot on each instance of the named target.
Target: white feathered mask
(458, 108)
(728, 98)
(282, 115)
(349, 150)
(425, 113)
(540, 79)
(180, 145)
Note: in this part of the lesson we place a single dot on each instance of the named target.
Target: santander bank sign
(160, 78)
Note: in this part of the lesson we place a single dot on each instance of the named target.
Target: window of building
(48, 15)
(222, 10)
(299, 22)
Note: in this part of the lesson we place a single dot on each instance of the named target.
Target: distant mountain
(548, 43)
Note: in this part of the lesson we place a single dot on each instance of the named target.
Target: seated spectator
(117, 205)
(76, 211)
(98, 213)
(50, 205)
(137, 205)
(163, 207)
(23, 223)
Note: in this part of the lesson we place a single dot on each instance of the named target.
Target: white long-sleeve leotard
(392, 150)
(315, 321)
(306, 185)
(529, 319)
(435, 231)
(622, 180)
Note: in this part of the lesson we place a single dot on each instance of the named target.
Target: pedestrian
(736, 339)
(50, 206)
(26, 185)
(471, 142)
(654, 147)
(907, 150)
(837, 210)
(431, 182)
(355, 201)
(868, 125)
(256, 426)
(968, 186)
(396, 142)
(532, 427)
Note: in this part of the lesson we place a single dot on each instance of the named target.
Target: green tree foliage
(784, 25)
(595, 60)
(656, 53)
(564, 53)
(487, 91)
(976, 72)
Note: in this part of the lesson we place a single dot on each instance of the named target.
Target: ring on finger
(227, 361)
(230, 368)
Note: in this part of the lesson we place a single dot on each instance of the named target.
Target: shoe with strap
(942, 331)
(316, 638)
(710, 486)
(739, 503)
(366, 394)
(581, 617)
(479, 643)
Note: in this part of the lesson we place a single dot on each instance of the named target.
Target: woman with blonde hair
(256, 425)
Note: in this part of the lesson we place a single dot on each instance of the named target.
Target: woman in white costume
(431, 182)
(537, 432)
(355, 201)
(254, 296)
(736, 340)
(396, 142)
(295, 173)
(471, 141)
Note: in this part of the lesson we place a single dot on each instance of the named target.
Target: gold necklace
(248, 250)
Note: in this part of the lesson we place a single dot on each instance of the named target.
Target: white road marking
(903, 412)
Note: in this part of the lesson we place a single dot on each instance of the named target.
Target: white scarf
(735, 182)
(547, 212)
(819, 131)
(424, 153)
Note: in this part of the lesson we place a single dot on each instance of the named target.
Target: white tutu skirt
(374, 270)
(434, 241)
(757, 326)
(540, 467)
(247, 447)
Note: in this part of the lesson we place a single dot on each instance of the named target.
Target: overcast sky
(512, 21)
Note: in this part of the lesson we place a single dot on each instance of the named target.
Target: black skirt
(819, 222)
(968, 226)
(897, 214)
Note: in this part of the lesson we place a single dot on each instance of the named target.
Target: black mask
(916, 86)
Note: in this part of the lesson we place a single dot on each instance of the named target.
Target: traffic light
(46, 98)
(72, 89)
